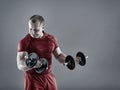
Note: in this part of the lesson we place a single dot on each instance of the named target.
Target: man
(44, 44)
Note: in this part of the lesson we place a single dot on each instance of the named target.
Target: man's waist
(33, 71)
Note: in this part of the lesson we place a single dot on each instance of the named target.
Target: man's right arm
(21, 61)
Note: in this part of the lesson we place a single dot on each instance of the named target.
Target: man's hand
(38, 64)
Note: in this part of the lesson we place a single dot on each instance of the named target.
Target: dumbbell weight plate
(32, 60)
(82, 57)
(43, 67)
(70, 62)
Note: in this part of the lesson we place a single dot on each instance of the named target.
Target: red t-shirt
(44, 47)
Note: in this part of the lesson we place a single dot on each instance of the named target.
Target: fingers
(38, 64)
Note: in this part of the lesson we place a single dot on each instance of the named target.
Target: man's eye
(31, 29)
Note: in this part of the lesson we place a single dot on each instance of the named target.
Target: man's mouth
(35, 32)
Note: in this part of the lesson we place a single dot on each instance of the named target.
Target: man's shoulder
(25, 39)
(50, 36)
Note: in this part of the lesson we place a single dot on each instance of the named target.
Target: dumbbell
(43, 67)
(81, 58)
(69, 62)
(32, 60)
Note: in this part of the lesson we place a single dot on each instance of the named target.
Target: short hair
(34, 18)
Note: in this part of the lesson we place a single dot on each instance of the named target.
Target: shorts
(40, 82)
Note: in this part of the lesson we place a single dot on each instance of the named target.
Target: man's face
(35, 28)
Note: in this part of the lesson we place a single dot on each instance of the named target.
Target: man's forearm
(23, 68)
(61, 58)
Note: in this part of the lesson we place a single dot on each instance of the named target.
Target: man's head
(36, 25)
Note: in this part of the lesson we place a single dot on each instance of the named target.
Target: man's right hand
(38, 64)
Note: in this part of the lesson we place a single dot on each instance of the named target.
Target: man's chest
(42, 46)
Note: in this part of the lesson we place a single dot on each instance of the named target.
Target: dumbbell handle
(66, 63)
(38, 64)
(77, 59)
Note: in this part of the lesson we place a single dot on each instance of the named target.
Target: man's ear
(43, 27)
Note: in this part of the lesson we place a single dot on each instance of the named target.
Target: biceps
(21, 57)
(57, 52)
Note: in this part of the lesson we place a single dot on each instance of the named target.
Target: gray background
(91, 26)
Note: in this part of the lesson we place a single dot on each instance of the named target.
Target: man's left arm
(59, 55)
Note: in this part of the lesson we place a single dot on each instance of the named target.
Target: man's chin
(35, 36)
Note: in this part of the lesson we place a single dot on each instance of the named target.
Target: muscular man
(44, 44)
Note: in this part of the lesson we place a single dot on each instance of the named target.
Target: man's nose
(35, 30)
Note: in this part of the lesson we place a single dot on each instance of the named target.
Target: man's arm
(59, 55)
(21, 61)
